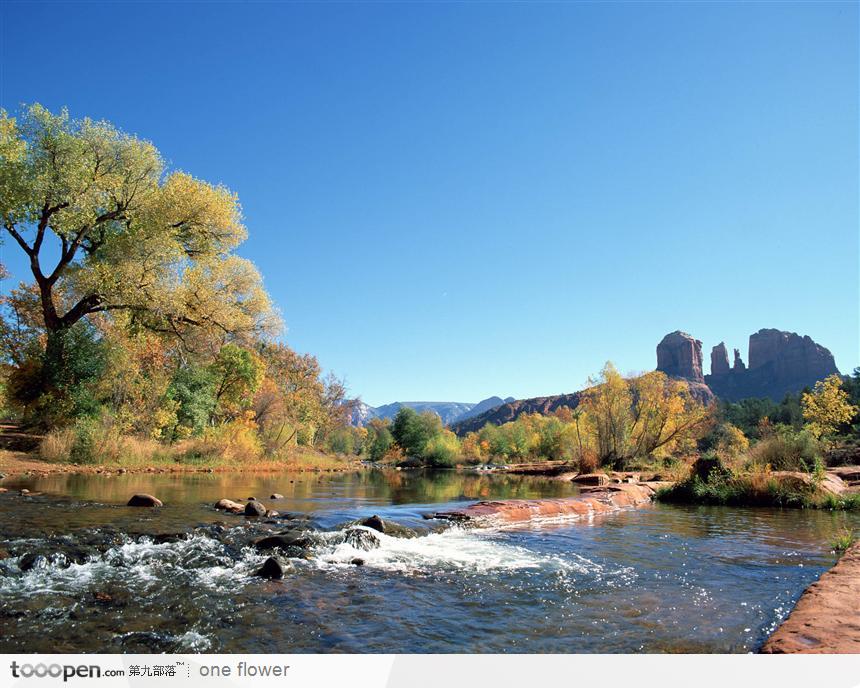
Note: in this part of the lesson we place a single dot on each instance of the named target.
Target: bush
(341, 441)
(786, 449)
(442, 450)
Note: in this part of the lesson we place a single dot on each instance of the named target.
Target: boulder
(276, 495)
(255, 509)
(272, 569)
(374, 522)
(230, 506)
(289, 541)
(357, 561)
(31, 561)
(144, 500)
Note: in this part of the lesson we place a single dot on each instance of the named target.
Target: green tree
(412, 430)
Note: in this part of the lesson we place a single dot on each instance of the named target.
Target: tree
(238, 374)
(130, 236)
(379, 439)
(827, 407)
(412, 431)
(664, 414)
(607, 403)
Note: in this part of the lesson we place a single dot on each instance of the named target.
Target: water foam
(455, 549)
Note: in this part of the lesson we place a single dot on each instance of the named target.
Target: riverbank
(300, 460)
(826, 618)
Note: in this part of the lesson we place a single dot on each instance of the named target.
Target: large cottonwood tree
(129, 236)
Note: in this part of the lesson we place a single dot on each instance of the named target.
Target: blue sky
(450, 201)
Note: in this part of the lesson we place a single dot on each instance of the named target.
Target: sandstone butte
(826, 618)
(592, 502)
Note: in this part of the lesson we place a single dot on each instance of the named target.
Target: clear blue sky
(449, 201)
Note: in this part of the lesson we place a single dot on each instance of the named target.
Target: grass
(843, 541)
(758, 487)
(105, 447)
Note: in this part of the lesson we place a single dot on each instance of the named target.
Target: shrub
(730, 441)
(786, 449)
(442, 450)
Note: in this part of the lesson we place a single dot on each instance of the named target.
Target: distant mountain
(449, 411)
(511, 410)
(482, 407)
(361, 414)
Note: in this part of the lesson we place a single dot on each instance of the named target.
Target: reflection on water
(86, 573)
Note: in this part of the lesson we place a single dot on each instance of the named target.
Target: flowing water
(84, 573)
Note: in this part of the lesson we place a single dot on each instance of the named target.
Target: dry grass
(227, 448)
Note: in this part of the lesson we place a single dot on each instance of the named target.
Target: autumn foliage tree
(129, 236)
(827, 407)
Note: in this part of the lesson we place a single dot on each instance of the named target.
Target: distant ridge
(449, 411)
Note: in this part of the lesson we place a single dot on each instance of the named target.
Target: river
(100, 576)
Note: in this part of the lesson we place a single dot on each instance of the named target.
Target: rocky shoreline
(826, 618)
(592, 502)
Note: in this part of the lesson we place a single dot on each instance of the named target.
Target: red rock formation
(826, 618)
(720, 360)
(680, 355)
(779, 363)
(596, 501)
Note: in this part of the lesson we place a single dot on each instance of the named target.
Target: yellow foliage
(827, 407)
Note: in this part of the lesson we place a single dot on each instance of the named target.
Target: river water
(83, 572)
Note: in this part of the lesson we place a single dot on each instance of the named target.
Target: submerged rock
(144, 500)
(361, 538)
(290, 542)
(31, 561)
(169, 538)
(272, 569)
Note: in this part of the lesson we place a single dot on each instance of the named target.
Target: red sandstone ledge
(592, 502)
(826, 618)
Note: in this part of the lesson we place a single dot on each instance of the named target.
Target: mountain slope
(513, 409)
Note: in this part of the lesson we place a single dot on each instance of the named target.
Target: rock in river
(255, 508)
(374, 522)
(230, 506)
(290, 542)
(361, 538)
(272, 569)
(276, 495)
(144, 500)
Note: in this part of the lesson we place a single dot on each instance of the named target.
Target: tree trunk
(54, 364)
